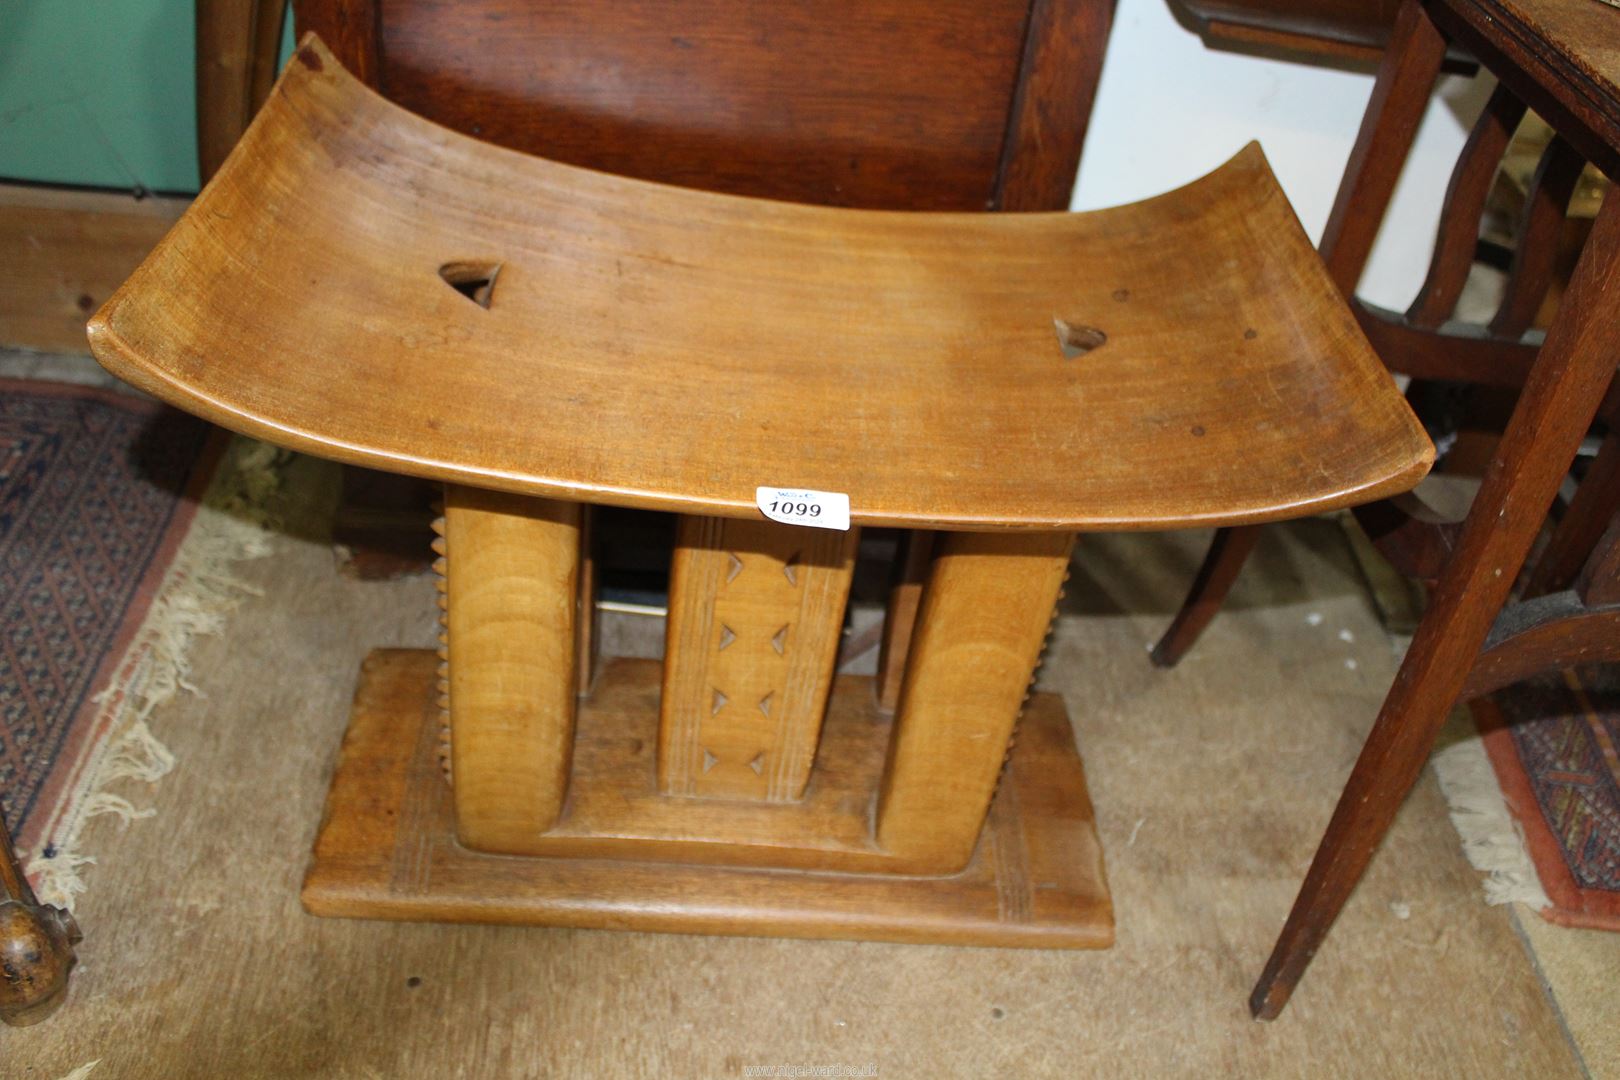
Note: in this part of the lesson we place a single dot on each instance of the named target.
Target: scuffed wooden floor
(1212, 783)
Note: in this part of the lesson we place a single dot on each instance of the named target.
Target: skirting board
(65, 253)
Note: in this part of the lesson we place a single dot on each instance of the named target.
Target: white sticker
(799, 506)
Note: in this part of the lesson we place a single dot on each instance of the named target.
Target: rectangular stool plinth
(387, 847)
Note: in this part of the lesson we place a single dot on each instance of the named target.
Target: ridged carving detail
(441, 582)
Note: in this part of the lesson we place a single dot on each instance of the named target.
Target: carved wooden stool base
(387, 848)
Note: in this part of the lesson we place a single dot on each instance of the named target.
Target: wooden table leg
(1557, 406)
(36, 946)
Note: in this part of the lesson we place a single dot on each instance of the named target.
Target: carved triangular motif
(719, 702)
(779, 641)
(733, 568)
(727, 636)
(765, 703)
(709, 761)
(791, 569)
(758, 764)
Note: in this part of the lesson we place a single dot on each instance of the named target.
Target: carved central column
(755, 614)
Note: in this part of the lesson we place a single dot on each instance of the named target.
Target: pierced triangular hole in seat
(474, 280)
(1077, 339)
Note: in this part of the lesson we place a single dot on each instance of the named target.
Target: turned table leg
(1557, 406)
(36, 946)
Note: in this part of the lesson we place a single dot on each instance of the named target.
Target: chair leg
(1227, 554)
(1596, 502)
(36, 946)
(1558, 404)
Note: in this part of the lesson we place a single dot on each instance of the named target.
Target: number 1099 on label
(799, 506)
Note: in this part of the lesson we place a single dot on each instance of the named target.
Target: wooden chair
(1558, 56)
(1352, 30)
(1418, 531)
(360, 283)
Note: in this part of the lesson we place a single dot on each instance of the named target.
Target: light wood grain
(900, 617)
(615, 810)
(1037, 880)
(672, 346)
(756, 614)
(513, 567)
(986, 611)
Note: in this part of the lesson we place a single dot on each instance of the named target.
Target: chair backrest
(899, 104)
(1426, 342)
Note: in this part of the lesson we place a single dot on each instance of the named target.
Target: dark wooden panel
(846, 102)
(1052, 106)
(349, 28)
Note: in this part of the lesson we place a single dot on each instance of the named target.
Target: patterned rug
(1553, 744)
(103, 580)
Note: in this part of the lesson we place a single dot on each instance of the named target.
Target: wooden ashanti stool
(361, 284)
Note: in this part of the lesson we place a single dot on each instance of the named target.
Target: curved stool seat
(650, 346)
(358, 283)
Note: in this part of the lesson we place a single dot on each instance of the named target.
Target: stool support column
(986, 610)
(756, 612)
(512, 565)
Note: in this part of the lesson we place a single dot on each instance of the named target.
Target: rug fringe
(198, 591)
(1491, 838)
